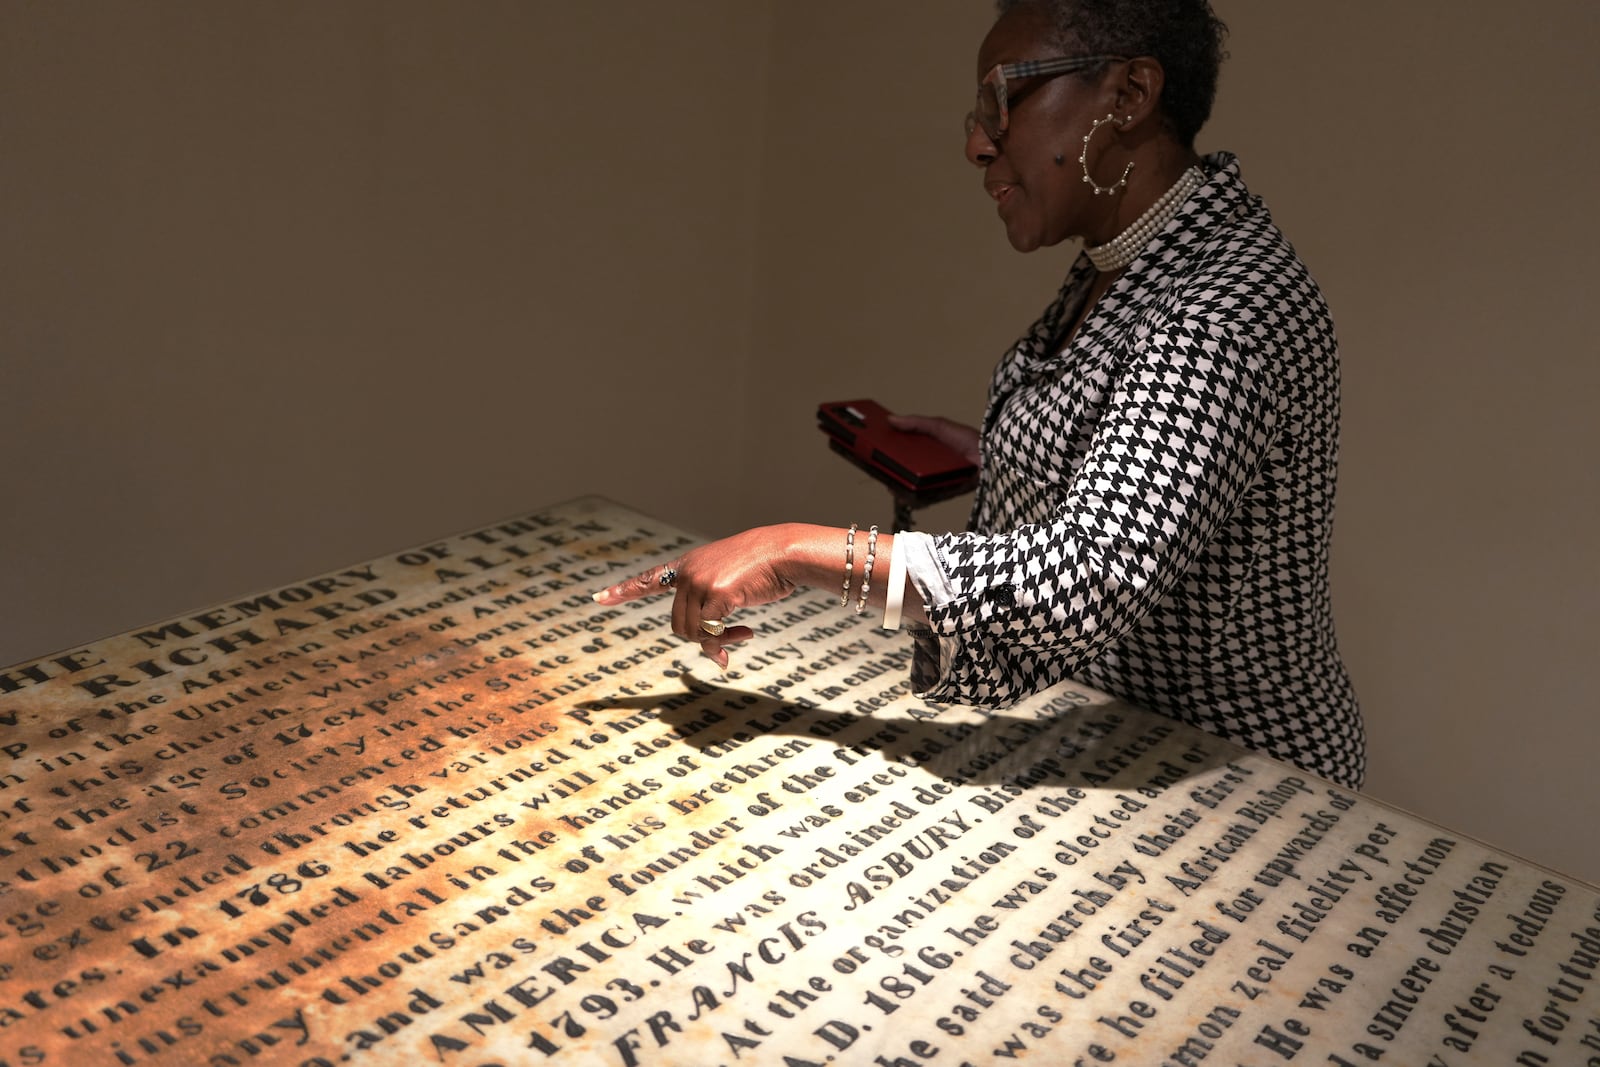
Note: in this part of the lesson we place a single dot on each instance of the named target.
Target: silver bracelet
(849, 564)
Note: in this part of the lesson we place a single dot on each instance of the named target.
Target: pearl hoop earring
(1083, 158)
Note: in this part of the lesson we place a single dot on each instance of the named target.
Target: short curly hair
(1184, 35)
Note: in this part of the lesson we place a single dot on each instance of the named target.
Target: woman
(1159, 451)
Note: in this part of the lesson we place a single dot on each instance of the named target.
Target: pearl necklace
(1125, 247)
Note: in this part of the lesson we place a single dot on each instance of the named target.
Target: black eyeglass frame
(1002, 73)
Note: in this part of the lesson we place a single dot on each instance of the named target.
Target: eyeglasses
(994, 100)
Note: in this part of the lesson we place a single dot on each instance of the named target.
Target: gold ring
(714, 627)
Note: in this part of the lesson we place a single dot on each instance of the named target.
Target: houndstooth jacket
(1156, 499)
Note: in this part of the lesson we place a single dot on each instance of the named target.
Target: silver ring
(714, 627)
(669, 574)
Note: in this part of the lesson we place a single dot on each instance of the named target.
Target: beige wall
(286, 286)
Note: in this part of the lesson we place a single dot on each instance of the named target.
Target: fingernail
(600, 597)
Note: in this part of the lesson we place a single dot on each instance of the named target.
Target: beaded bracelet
(866, 569)
(849, 564)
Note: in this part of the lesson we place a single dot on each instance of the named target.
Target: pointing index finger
(636, 588)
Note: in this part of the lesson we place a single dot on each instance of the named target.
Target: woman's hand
(957, 435)
(717, 579)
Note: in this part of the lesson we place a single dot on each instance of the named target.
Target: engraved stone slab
(442, 808)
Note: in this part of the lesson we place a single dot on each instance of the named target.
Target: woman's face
(1040, 201)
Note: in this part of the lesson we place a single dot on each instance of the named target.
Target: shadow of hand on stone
(1108, 745)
